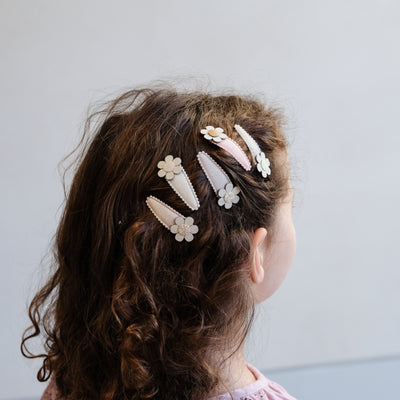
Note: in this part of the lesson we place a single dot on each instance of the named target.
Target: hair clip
(259, 158)
(218, 137)
(219, 180)
(175, 222)
(172, 170)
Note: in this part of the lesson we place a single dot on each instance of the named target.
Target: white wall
(333, 65)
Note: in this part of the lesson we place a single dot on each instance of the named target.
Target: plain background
(332, 65)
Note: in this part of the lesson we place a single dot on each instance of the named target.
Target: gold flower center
(169, 166)
(229, 197)
(213, 132)
(264, 164)
(183, 229)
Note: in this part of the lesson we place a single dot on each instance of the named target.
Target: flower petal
(174, 228)
(189, 221)
(179, 237)
(179, 221)
(177, 169)
(236, 190)
(228, 204)
(161, 164)
(221, 201)
(221, 192)
(229, 187)
(258, 157)
(219, 130)
(177, 161)
(161, 173)
(209, 127)
(189, 237)
(235, 199)
(217, 139)
(194, 229)
(259, 167)
(223, 136)
(169, 158)
(204, 131)
(170, 175)
(207, 136)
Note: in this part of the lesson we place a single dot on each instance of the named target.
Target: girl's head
(133, 312)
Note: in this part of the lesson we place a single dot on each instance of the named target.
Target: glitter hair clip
(219, 180)
(263, 163)
(172, 170)
(218, 137)
(181, 226)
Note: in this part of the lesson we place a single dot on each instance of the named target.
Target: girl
(177, 223)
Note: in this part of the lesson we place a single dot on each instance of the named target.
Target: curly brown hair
(128, 312)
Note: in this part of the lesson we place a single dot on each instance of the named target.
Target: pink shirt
(262, 389)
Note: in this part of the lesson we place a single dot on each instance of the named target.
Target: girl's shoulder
(51, 392)
(262, 389)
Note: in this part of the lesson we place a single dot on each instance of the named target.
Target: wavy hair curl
(128, 312)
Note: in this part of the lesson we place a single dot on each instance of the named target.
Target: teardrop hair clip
(218, 137)
(263, 163)
(183, 227)
(219, 180)
(171, 168)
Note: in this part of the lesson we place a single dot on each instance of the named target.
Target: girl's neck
(235, 374)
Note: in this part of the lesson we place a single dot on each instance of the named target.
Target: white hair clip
(263, 163)
(175, 222)
(218, 137)
(219, 180)
(172, 170)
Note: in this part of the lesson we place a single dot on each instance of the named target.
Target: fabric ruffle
(262, 389)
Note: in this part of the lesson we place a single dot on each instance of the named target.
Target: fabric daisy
(169, 167)
(184, 229)
(228, 195)
(214, 134)
(263, 164)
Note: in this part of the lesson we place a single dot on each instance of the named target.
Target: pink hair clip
(183, 227)
(218, 137)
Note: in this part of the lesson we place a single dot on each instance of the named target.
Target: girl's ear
(257, 272)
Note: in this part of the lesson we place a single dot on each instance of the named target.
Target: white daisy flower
(169, 167)
(214, 134)
(184, 229)
(263, 164)
(228, 195)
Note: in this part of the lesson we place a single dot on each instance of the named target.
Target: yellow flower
(214, 134)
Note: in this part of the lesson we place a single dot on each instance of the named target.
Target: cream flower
(214, 134)
(169, 167)
(228, 195)
(184, 229)
(263, 164)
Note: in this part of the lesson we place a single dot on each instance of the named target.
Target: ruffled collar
(263, 389)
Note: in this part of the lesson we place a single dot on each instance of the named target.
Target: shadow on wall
(365, 379)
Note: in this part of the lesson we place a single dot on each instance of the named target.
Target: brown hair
(129, 312)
